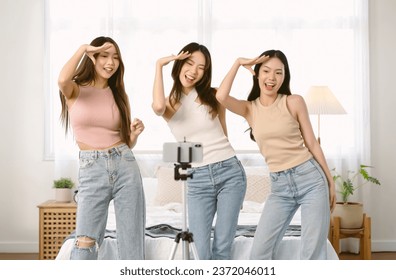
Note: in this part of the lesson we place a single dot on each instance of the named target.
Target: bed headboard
(161, 188)
(149, 162)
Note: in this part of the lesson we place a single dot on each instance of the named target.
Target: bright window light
(320, 38)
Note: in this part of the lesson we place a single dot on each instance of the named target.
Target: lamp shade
(321, 101)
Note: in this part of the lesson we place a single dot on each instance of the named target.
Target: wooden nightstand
(56, 221)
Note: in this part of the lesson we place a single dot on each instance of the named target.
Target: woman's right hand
(165, 60)
(159, 104)
(92, 50)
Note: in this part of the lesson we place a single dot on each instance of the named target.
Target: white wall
(381, 201)
(26, 178)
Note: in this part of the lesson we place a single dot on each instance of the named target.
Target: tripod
(184, 235)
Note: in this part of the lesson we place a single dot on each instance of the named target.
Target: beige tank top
(278, 135)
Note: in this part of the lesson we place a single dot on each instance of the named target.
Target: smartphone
(182, 152)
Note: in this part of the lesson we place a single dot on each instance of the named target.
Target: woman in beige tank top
(301, 178)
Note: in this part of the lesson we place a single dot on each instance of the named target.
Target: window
(325, 42)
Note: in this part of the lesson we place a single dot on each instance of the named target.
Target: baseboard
(383, 245)
(352, 245)
(19, 247)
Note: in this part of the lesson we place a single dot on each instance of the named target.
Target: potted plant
(351, 213)
(63, 188)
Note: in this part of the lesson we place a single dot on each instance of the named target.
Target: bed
(164, 220)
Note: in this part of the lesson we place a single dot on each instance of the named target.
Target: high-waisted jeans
(103, 176)
(217, 188)
(304, 185)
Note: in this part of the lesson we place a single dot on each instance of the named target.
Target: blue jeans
(103, 176)
(215, 188)
(304, 185)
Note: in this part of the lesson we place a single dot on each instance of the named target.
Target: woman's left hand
(137, 127)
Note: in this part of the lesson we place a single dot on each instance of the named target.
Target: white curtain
(326, 43)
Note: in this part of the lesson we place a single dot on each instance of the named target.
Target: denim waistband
(219, 163)
(293, 169)
(117, 150)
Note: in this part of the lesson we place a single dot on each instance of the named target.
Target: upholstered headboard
(169, 190)
(149, 162)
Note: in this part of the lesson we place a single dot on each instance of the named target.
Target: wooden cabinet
(56, 221)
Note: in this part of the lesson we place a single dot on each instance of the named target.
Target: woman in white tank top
(218, 183)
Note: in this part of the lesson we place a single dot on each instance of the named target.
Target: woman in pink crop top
(96, 105)
(299, 173)
(218, 183)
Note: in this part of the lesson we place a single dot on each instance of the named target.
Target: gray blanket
(165, 230)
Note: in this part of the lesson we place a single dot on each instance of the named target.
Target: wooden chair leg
(362, 242)
(362, 246)
(367, 239)
(336, 234)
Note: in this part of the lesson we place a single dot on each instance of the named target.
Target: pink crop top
(95, 118)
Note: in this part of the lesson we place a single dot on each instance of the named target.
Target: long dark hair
(205, 92)
(284, 88)
(85, 74)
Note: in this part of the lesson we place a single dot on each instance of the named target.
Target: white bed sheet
(171, 214)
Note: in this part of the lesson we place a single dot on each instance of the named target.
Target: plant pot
(63, 195)
(351, 214)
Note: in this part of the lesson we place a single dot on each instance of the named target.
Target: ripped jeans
(103, 176)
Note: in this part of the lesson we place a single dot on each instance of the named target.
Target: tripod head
(182, 176)
(183, 165)
(184, 153)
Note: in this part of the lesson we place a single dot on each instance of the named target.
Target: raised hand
(92, 50)
(165, 60)
(249, 62)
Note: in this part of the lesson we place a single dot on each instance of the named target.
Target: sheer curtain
(326, 43)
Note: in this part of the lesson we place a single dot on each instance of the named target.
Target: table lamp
(321, 101)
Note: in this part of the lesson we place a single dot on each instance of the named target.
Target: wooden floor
(19, 256)
(374, 256)
(343, 256)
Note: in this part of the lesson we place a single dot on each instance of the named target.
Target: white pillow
(150, 189)
(168, 189)
(258, 184)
